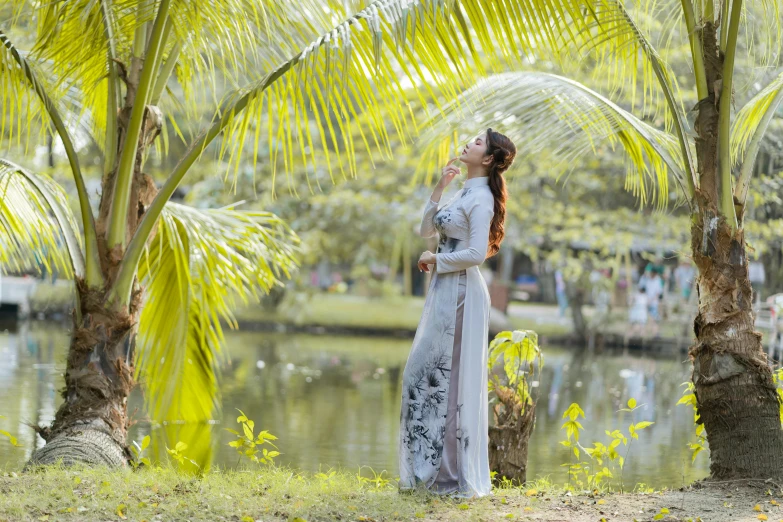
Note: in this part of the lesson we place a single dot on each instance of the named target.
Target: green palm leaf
(18, 74)
(196, 269)
(748, 130)
(544, 111)
(364, 65)
(36, 224)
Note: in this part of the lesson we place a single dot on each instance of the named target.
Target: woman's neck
(476, 171)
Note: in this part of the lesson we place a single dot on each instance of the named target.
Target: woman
(444, 417)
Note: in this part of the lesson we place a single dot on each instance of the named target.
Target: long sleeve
(427, 228)
(480, 213)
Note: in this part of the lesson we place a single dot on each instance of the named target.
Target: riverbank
(394, 316)
(278, 494)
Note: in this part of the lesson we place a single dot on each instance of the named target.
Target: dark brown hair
(503, 152)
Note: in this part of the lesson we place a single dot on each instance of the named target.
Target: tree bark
(736, 397)
(737, 400)
(576, 300)
(92, 423)
(508, 446)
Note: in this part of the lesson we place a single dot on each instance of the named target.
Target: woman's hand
(448, 173)
(427, 258)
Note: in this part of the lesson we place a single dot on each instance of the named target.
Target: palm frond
(72, 40)
(761, 27)
(20, 109)
(200, 264)
(36, 224)
(544, 111)
(253, 36)
(754, 115)
(364, 65)
(12, 59)
(748, 130)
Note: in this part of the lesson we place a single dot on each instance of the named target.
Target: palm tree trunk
(92, 423)
(737, 400)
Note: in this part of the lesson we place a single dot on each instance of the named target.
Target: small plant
(593, 473)
(326, 477)
(777, 378)
(137, 449)
(247, 442)
(377, 479)
(689, 397)
(13, 440)
(177, 453)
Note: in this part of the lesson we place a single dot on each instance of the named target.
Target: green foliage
(37, 226)
(520, 355)
(689, 398)
(777, 378)
(247, 442)
(200, 266)
(572, 426)
(531, 101)
(137, 449)
(378, 481)
(604, 460)
(177, 453)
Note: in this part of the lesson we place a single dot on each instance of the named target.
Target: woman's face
(475, 151)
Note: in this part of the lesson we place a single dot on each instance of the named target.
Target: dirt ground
(716, 502)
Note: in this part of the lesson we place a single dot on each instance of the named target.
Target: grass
(267, 493)
(281, 494)
(348, 311)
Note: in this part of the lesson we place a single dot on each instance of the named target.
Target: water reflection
(334, 401)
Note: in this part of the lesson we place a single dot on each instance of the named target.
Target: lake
(333, 401)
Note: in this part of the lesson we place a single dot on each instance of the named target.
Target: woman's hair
(503, 152)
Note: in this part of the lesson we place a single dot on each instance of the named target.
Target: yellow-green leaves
(137, 449)
(689, 398)
(521, 360)
(178, 453)
(546, 112)
(603, 458)
(748, 131)
(37, 225)
(201, 264)
(634, 428)
(518, 350)
(247, 442)
(572, 426)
